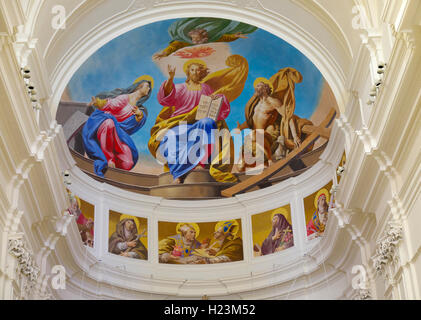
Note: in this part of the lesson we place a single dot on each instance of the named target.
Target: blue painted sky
(118, 63)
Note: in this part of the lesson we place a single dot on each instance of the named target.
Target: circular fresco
(196, 108)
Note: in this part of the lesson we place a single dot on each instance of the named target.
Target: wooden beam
(323, 132)
(276, 167)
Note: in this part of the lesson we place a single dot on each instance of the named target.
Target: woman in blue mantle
(118, 115)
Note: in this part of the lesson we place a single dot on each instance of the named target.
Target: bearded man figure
(227, 245)
(280, 237)
(178, 249)
(271, 110)
(266, 112)
(180, 141)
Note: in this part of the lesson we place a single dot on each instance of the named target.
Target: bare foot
(177, 181)
(180, 180)
(241, 167)
(111, 164)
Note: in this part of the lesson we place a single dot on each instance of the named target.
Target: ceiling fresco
(191, 108)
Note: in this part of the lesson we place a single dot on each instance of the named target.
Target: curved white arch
(67, 52)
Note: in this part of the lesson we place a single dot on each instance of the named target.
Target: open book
(208, 108)
(202, 253)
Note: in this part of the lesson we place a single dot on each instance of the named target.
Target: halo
(194, 225)
(264, 80)
(79, 202)
(136, 220)
(192, 61)
(226, 225)
(343, 158)
(71, 194)
(147, 78)
(321, 192)
(284, 212)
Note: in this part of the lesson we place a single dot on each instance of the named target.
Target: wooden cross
(323, 132)
(287, 230)
(315, 133)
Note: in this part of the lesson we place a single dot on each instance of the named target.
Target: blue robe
(185, 146)
(124, 129)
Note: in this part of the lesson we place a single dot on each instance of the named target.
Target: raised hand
(138, 114)
(90, 104)
(131, 244)
(277, 235)
(297, 141)
(238, 129)
(159, 55)
(136, 111)
(171, 71)
(241, 35)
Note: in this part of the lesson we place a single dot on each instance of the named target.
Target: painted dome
(196, 108)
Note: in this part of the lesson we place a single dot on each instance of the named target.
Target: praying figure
(118, 115)
(316, 225)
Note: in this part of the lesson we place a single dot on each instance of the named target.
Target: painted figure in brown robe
(125, 241)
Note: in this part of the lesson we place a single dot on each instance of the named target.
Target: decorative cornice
(23, 45)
